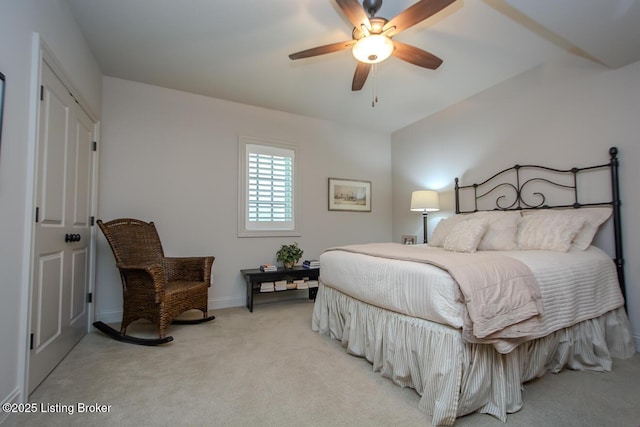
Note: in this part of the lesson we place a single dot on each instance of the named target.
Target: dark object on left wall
(2, 89)
(154, 287)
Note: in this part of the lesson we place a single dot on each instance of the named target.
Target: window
(268, 190)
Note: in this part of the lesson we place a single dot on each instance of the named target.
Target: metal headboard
(537, 199)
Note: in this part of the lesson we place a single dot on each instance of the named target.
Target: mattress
(575, 286)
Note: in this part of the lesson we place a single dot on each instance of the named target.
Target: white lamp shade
(425, 201)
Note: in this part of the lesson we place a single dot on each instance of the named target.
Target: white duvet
(575, 286)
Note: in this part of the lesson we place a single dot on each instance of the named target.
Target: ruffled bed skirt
(455, 378)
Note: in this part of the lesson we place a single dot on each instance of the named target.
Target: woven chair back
(133, 242)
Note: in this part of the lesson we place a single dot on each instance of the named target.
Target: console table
(254, 277)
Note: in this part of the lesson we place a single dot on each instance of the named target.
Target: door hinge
(41, 93)
(31, 342)
(37, 214)
(94, 147)
(90, 297)
(92, 221)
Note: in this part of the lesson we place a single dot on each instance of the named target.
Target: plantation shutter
(270, 188)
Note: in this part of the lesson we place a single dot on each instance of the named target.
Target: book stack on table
(268, 267)
(267, 287)
(300, 284)
(311, 263)
(281, 285)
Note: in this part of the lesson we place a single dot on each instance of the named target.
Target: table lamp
(425, 201)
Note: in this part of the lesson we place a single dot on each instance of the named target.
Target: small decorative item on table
(409, 240)
(289, 255)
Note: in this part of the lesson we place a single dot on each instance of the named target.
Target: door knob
(72, 238)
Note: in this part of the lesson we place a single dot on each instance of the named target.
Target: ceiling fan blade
(321, 50)
(416, 56)
(360, 76)
(354, 12)
(414, 14)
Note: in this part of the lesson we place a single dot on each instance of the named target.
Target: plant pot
(288, 264)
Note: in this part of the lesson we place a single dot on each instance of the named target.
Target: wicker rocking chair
(154, 287)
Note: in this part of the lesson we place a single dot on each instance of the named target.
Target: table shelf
(254, 277)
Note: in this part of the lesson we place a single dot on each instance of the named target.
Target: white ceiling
(238, 50)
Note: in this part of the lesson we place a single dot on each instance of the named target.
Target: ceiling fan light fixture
(373, 49)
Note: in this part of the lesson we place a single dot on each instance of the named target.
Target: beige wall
(19, 19)
(563, 114)
(172, 157)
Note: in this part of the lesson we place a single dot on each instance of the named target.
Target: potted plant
(289, 255)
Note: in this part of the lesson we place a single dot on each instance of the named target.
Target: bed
(499, 296)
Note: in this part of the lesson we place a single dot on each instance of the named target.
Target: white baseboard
(109, 316)
(13, 397)
(229, 302)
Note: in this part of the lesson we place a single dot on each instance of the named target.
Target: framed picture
(349, 195)
(2, 81)
(409, 240)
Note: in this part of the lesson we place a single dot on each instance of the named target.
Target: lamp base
(424, 221)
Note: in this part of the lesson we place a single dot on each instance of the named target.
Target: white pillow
(443, 228)
(593, 219)
(548, 232)
(502, 229)
(466, 235)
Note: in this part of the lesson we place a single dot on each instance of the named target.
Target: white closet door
(62, 234)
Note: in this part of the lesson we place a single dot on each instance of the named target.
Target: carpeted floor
(267, 368)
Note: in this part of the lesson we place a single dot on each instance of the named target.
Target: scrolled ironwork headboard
(520, 187)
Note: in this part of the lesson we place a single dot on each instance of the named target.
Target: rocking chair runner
(154, 287)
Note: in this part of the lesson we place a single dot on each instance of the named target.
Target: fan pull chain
(374, 86)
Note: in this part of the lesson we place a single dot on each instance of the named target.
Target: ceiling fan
(372, 36)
